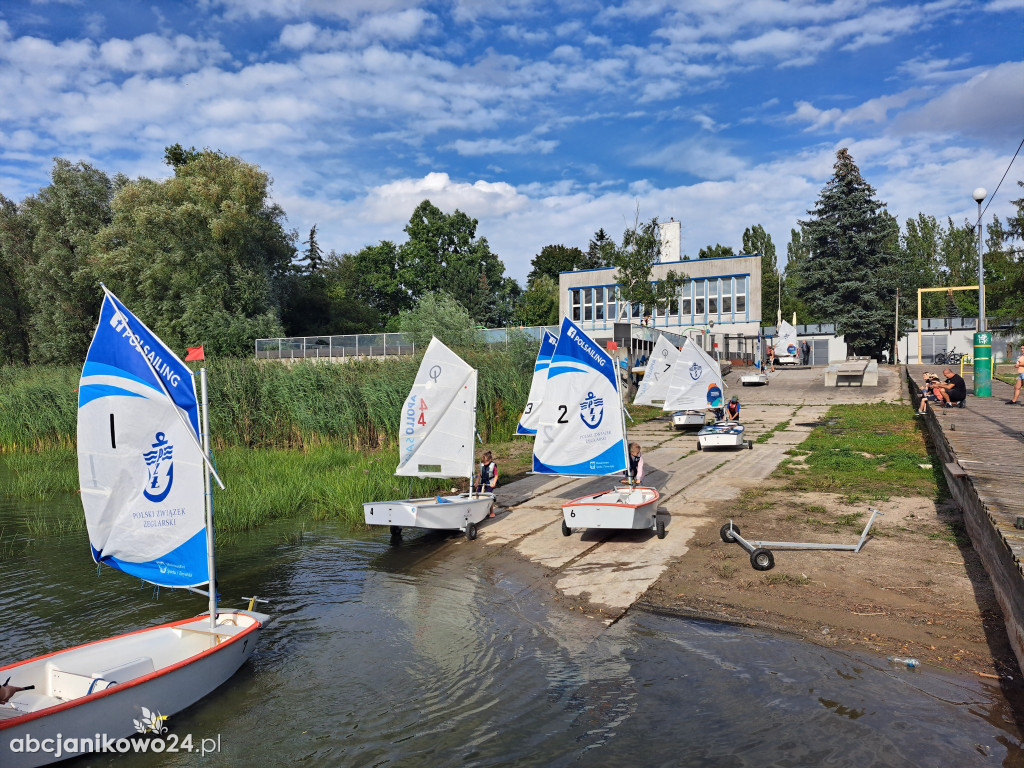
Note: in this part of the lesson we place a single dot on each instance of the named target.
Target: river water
(430, 655)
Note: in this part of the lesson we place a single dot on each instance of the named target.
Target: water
(426, 655)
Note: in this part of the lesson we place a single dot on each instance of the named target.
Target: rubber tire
(726, 536)
(470, 531)
(750, 444)
(566, 530)
(699, 448)
(660, 528)
(940, 359)
(762, 559)
(396, 531)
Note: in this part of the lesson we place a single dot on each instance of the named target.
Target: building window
(687, 305)
(588, 304)
(599, 303)
(741, 296)
(574, 298)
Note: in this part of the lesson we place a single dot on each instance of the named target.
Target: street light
(982, 338)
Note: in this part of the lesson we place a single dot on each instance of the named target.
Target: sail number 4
(415, 416)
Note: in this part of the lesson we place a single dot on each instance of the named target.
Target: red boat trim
(590, 498)
(29, 716)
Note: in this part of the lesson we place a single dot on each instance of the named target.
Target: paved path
(611, 569)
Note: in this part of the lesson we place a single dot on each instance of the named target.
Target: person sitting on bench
(953, 391)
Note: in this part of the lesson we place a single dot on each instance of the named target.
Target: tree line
(203, 257)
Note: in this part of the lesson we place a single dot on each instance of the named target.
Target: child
(488, 474)
(636, 465)
(732, 411)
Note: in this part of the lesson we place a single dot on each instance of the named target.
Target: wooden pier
(982, 451)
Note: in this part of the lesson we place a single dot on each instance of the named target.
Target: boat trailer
(761, 557)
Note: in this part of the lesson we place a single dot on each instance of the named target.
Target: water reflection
(409, 656)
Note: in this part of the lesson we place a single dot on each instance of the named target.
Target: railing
(370, 344)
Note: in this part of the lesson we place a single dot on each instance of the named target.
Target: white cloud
(516, 145)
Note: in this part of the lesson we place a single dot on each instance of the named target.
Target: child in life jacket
(636, 465)
(488, 474)
(732, 410)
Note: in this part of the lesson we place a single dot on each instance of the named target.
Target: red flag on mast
(195, 353)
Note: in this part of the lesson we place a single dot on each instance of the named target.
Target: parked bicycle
(952, 357)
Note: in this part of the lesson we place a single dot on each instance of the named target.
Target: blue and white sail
(140, 466)
(786, 341)
(438, 419)
(529, 420)
(580, 429)
(696, 382)
(654, 386)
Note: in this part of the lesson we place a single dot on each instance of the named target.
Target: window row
(721, 299)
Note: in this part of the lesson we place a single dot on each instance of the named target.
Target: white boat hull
(454, 513)
(753, 379)
(683, 419)
(722, 434)
(164, 669)
(627, 508)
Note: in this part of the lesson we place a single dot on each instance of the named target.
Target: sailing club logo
(592, 410)
(695, 371)
(714, 395)
(160, 467)
(791, 349)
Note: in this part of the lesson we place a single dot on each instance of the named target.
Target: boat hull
(188, 661)
(683, 419)
(615, 508)
(454, 513)
(722, 434)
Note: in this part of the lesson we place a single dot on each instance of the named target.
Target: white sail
(438, 420)
(580, 428)
(528, 421)
(658, 374)
(139, 465)
(696, 382)
(785, 341)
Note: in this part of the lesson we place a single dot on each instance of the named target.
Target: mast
(208, 500)
(622, 417)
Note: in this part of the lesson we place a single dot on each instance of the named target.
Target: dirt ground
(917, 589)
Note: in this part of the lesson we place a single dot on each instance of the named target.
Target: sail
(528, 421)
(139, 465)
(438, 420)
(580, 430)
(785, 342)
(696, 382)
(658, 374)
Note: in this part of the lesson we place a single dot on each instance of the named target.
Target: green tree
(554, 259)
(314, 255)
(634, 260)
(60, 279)
(715, 251)
(1004, 269)
(539, 304)
(15, 255)
(757, 240)
(438, 314)
(600, 252)
(201, 257)
(850, 274)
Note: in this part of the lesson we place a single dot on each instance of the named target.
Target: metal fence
(371, 344)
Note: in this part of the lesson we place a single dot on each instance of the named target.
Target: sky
(544, 120)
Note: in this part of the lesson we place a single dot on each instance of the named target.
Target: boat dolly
(761, 557)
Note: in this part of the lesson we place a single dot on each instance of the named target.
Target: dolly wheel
(660, 527)
(762, 559)
(566, 530)
(727, 532)
(470, 531)
(699, 446)
(396, 532)
(750, 444)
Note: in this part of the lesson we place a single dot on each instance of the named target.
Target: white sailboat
(658, 374)
(528, 421)
(145, 487)
(786, 349)
(436, 431)
(582, 433)
(690, 392)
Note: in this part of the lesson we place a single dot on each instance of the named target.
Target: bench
(68, 685)
(853, 369)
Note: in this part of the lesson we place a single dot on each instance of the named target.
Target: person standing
(771, 358)
(1019, 382)
(805, 352)
(488, 478)
(635, 473)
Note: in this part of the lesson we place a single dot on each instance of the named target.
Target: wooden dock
(982, 450)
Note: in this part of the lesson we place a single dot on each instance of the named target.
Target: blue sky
(544, 120)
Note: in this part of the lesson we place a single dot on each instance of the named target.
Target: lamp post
(982, 338)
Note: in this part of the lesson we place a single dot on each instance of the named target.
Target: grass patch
(867, 453)
(955, 532)
(765, 437)
(784, 579)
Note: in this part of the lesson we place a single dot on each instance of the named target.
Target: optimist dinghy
(722, 434)
(437, 427)
(695, 387)
(581, 433)
(145, 487)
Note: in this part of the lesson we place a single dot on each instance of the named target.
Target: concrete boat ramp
(611, 569)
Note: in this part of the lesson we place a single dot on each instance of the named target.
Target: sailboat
(436, 430)
(786, 350)
(658, 374)
(145, 476)
(582, 433)
(528, 421)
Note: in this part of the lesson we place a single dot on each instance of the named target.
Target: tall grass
(268, 404)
